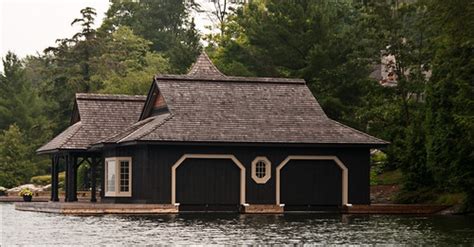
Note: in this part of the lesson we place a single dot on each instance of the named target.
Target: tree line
(333, 45)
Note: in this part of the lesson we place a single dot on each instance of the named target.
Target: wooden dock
(20, 199)
(88, 208)
(395, 209)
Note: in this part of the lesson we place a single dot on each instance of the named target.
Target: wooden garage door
(208, 182)
(311, 182)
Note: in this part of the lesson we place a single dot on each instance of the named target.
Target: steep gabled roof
(204, 67)
(96, 116)
(206, 106)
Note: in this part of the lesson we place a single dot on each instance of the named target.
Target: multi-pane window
(124, 176)
(260, 169)
(118, 176)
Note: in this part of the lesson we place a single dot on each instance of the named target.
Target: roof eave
(220, 143)
(59, 150)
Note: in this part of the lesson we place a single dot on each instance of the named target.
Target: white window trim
(117, 192)
(268, 170)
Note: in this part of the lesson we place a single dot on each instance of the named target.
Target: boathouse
(207, 141)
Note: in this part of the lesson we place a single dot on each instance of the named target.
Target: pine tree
(16, 166)
(450, 113)
(167, 24)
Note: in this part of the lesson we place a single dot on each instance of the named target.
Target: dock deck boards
(395, 209)
(87, 208)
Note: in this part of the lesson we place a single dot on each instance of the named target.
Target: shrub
(46, 179)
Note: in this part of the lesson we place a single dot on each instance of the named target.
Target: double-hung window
(118, 176)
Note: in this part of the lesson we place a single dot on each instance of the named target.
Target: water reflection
(233, 229)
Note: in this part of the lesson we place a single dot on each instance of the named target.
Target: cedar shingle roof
(248, 112)
(100, 115)
(207, 106)
(204, 67)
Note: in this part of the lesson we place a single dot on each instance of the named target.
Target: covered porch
(94, 117)
(70, 161)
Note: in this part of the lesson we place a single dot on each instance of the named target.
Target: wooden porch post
(55, 178)
(52, 177)
(71, 189)
(94, 164)
(67, 177)
(74, 178)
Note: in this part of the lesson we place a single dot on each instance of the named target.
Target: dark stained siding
(311, 182)
(152, 169)
(208, 181)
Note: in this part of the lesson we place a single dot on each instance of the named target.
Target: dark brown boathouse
(207, 141)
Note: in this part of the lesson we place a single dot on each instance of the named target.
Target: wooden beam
(55, 179)
(74, 178)
(67, 177)
(53, 157)
(94, 164)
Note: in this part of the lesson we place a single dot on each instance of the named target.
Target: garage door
(311, 183)
(210, 182)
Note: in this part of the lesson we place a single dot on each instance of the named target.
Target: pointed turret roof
(204, 67)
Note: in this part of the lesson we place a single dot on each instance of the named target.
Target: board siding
(208, 181)
(151, 170)
(311, 182)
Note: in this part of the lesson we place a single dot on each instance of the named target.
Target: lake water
(30, 228)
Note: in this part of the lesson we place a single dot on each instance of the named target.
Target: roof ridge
(99, 96)
(72, 134)
(139, 124)
(237, 79)
(136, 124)
(170, 116)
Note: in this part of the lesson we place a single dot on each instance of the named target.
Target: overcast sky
(30, 26)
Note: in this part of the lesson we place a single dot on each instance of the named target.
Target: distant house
(385, 72)
(205, 140)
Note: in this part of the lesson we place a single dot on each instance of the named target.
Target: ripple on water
(201, 229)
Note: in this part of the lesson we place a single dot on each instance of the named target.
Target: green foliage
(126, 64)
(46, 179)
(420, 195)
(166, 24)
(390, 177)
(451, 199)
(82, 177)
(16, 165)
(329, 43)
(450, 98)
(378, 161)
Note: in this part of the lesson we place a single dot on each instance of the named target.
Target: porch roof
(96, 116)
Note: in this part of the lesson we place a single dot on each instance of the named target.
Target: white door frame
(208, 156)
(314, 157)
